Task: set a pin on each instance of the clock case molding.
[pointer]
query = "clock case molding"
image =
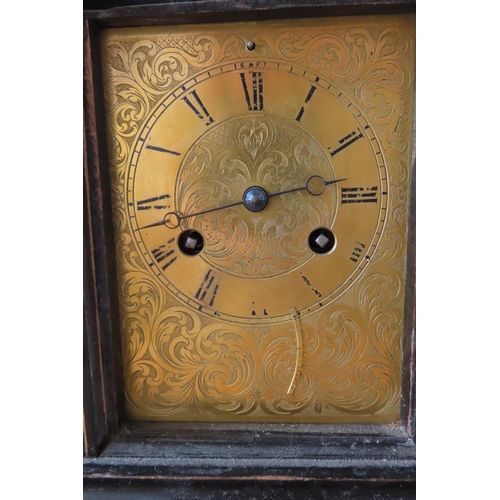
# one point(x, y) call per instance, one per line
point(370, 456)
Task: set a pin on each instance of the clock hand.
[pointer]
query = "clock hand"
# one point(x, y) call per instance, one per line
point(173, 220)
point(254, 199)
point(315, 185)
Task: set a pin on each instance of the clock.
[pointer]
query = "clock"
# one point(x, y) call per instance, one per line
point(260, 178)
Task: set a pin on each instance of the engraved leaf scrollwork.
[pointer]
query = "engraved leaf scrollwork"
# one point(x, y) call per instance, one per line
point(371, 68)
point(189, 366)
point(141, 72)
point(266, 152)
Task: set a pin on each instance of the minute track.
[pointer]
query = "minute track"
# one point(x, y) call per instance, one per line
point(198, 210)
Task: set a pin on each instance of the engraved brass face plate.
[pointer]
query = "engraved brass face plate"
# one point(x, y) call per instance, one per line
point(260, 175)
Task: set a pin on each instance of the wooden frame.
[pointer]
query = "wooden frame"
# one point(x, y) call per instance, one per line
point(198, 457)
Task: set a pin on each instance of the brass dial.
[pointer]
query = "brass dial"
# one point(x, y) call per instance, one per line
point(232, 128)
point(259, 210)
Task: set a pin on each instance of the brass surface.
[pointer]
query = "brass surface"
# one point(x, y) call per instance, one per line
point(257, 326)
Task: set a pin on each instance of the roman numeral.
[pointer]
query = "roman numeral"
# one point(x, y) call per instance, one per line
point(346, 142)
point(356, 253)
point(198, 108)
point(149, 203)
point(161, 254)
point(161, 150)
point(255, 98)
point(207, 287)
point(308, 98)
point(359, 195)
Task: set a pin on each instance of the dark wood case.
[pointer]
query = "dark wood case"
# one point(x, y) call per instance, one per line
point(207, 460)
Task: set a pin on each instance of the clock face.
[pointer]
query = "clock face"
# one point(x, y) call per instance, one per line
point(260, 199)
point(308, 151)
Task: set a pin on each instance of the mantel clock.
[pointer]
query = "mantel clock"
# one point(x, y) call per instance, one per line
point(260, 176)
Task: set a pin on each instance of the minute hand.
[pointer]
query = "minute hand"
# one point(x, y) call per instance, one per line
point(315, 185)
